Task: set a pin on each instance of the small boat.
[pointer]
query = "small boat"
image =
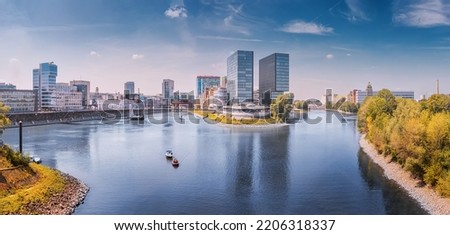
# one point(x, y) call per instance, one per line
point(35, 159)
point(137, 117)
point(175, 162)
point(169, 154)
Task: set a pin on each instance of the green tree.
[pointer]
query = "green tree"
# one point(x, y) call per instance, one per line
point(298, 104)
point(349, 107)
point(391, 103)
point(4, 120)
point(339, 103)
point(437, 103)
point(281, 107)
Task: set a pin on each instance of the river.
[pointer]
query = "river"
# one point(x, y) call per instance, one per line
point(301, 168)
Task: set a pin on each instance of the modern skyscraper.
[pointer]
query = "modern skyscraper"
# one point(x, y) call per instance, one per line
point(240, 76)
point(205, 82)
point(44, 85)
point(85, 88)
point(128, 88)
point(168, 88)
point(273, 76)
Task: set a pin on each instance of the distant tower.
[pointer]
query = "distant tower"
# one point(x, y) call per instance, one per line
point(369, 89)
point(437, 87)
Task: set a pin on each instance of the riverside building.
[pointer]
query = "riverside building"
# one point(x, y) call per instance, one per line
point(44, 85)
point(273, 77)
point(240, 76)
point(18, 100)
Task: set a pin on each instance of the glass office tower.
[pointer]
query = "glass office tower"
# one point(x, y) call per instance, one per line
point(273, 76)
point(240, 76)
point(44, 85)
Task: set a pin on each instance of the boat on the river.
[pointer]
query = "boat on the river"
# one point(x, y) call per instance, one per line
point(175, 162)
point(137, 117)
point(35, 159)
point(169, 154)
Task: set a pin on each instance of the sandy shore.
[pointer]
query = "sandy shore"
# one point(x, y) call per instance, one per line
point(65, 202)
point(427, 197)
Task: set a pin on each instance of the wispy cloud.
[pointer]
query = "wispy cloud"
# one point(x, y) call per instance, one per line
point(356, 11)
point(176, 11)
point(235, 21)
point(345, 49)
point(329, 56)
point(94, 54)
point(14, 60)
point(228, 38)
point(302, 27)
point(137, 57)
point(423, 13)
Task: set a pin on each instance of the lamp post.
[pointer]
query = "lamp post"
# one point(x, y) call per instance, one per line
point(20, 137)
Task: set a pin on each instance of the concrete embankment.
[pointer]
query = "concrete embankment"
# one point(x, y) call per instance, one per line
point(426, 196)
point(34, 119)
point(46, 118)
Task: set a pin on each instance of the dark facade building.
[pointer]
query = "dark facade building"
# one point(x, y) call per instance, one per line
point(273, 77)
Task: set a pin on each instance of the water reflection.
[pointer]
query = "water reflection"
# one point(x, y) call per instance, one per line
point(394, 202)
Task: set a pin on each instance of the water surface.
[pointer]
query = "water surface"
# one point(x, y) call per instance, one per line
point(298, 169)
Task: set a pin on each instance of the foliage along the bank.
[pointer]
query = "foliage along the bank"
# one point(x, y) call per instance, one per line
point(415, 134)
point(281, 107)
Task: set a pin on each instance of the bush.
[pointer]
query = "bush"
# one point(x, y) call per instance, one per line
point(14, 157)
point(443, 185)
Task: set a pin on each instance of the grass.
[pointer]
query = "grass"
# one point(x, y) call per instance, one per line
point(48, 182)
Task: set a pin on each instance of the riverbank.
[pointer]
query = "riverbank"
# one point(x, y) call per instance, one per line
point(39, 190)
point(64, 202)
point(428, 198)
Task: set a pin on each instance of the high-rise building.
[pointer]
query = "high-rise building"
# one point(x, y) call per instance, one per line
point(168, 88)
point(85, 88)
point(273, 77)
point(205, 82)
point(240, 76)
point(128, 89)
point(44, 85)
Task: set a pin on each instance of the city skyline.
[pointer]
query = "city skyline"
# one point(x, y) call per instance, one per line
point(399, 45)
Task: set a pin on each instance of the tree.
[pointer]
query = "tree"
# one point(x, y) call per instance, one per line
point(281, 107)
point(339, 103)
point(391, 103)
point(349, 107)
point(4, 120)
point(298, 104)
point(437, 103)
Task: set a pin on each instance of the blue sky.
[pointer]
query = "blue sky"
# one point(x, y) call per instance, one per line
point(339, 44)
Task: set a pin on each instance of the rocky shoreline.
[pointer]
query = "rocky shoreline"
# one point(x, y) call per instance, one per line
point(65, 202)
point(426, 196)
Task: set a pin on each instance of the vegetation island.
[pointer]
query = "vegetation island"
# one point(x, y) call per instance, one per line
point(30, 188)
point(251, 115)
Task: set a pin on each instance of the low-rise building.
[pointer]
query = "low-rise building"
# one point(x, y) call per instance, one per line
point(18, 100)
point(68, 98)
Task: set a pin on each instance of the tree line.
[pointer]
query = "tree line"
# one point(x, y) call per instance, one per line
point(416, 134)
